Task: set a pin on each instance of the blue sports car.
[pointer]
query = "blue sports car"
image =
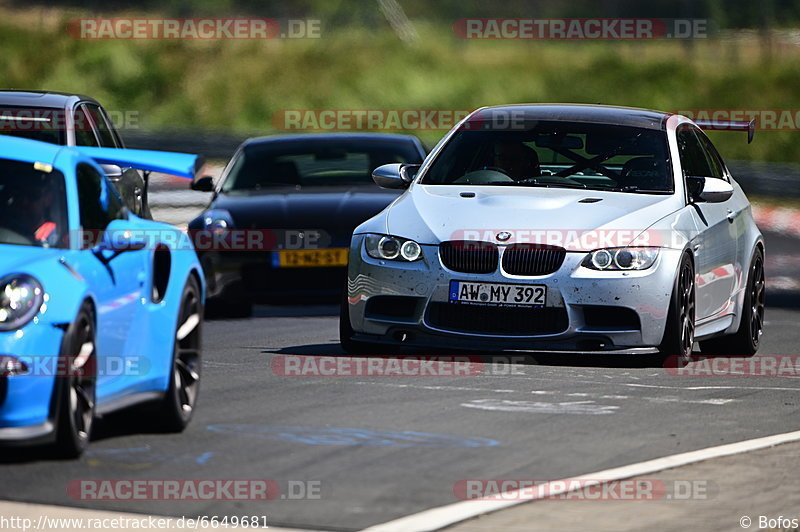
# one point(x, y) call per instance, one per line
point(99, 309)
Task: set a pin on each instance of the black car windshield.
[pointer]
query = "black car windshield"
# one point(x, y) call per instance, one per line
point(556, 154)
point(37, 123)
point(33, 206)
point(314, 163)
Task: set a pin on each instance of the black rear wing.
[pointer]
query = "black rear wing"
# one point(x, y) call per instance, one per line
point(729, 125)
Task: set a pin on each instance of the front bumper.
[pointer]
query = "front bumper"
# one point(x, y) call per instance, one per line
point(26, 400)
point(580, 305)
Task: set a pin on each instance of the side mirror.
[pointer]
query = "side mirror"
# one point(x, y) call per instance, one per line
point(709, 189)
point(119, 238)
point(203, 184)
point(112, 171)
point(393, 175)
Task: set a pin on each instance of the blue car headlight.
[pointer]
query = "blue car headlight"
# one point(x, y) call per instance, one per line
point(615, 259)
point(21, 298)
point(389, 247)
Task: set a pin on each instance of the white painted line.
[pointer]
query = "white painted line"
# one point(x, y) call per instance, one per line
point(444, 516)
point(537, 407)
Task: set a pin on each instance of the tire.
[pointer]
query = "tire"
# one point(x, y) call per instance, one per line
point(745, 341)
point(76, 386)
point(679, 332)
point(181, 398)
point(350, 346)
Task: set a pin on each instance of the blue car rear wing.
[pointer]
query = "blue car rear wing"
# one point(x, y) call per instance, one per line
point(729, 125)
point(180, 164)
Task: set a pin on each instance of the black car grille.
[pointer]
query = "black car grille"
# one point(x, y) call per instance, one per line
point(532, 259)
point(507, 321)
point(469, 256)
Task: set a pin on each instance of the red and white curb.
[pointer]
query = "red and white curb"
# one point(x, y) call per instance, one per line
point(782, 220)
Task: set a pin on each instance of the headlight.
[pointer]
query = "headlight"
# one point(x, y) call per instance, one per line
point(621, 259)
point(218, 221)
point(392, 248)
point(21, 298)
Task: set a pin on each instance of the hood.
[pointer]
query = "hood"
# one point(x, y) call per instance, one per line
point(23, 259)
point(431, 214)
point(336, 211)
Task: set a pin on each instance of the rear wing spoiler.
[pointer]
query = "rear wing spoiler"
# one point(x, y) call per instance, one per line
point(180, 164)
point(729, 125)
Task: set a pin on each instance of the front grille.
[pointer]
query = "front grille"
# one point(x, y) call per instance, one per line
point(469, 256)
point(509, 321)
point(532, 259)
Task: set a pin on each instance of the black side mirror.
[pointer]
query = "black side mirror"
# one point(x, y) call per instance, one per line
point(203, 184)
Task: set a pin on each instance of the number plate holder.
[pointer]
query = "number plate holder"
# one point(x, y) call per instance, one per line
point(497, 294)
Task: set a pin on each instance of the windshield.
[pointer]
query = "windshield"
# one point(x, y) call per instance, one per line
point(36, 123)
point(557, 154)
point(314, 163)
point(33, 207)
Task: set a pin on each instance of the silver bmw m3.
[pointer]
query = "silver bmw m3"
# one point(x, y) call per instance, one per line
point(578, 228)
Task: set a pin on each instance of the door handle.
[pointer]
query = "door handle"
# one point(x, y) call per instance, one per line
point(732, 215)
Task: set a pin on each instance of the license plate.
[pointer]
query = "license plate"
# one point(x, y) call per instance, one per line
point(498, 294)
point(310, 258)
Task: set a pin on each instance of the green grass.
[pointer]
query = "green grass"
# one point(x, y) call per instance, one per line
point(239, 85)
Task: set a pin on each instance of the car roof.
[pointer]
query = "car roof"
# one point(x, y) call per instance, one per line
point(33, 98)
point(600, 114)
point(355, 137)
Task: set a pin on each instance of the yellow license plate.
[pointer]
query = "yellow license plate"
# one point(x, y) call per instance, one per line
point(310, 258)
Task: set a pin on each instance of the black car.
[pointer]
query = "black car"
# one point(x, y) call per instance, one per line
point(72, 120)
point(283, 213)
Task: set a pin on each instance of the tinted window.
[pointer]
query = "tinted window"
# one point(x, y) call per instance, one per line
point(314, 163)
point(692, 154)
point(33, 206)
point(84, 133)
point(99, 201)
point(556, 154)
point(37, 123)
point(106, 137)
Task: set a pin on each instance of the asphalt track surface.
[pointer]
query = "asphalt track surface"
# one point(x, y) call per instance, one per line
point(378, 448)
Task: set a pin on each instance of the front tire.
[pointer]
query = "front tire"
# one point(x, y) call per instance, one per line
point(679, 332)
point(76, 389)
point(181, 397)
point(745, 341)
